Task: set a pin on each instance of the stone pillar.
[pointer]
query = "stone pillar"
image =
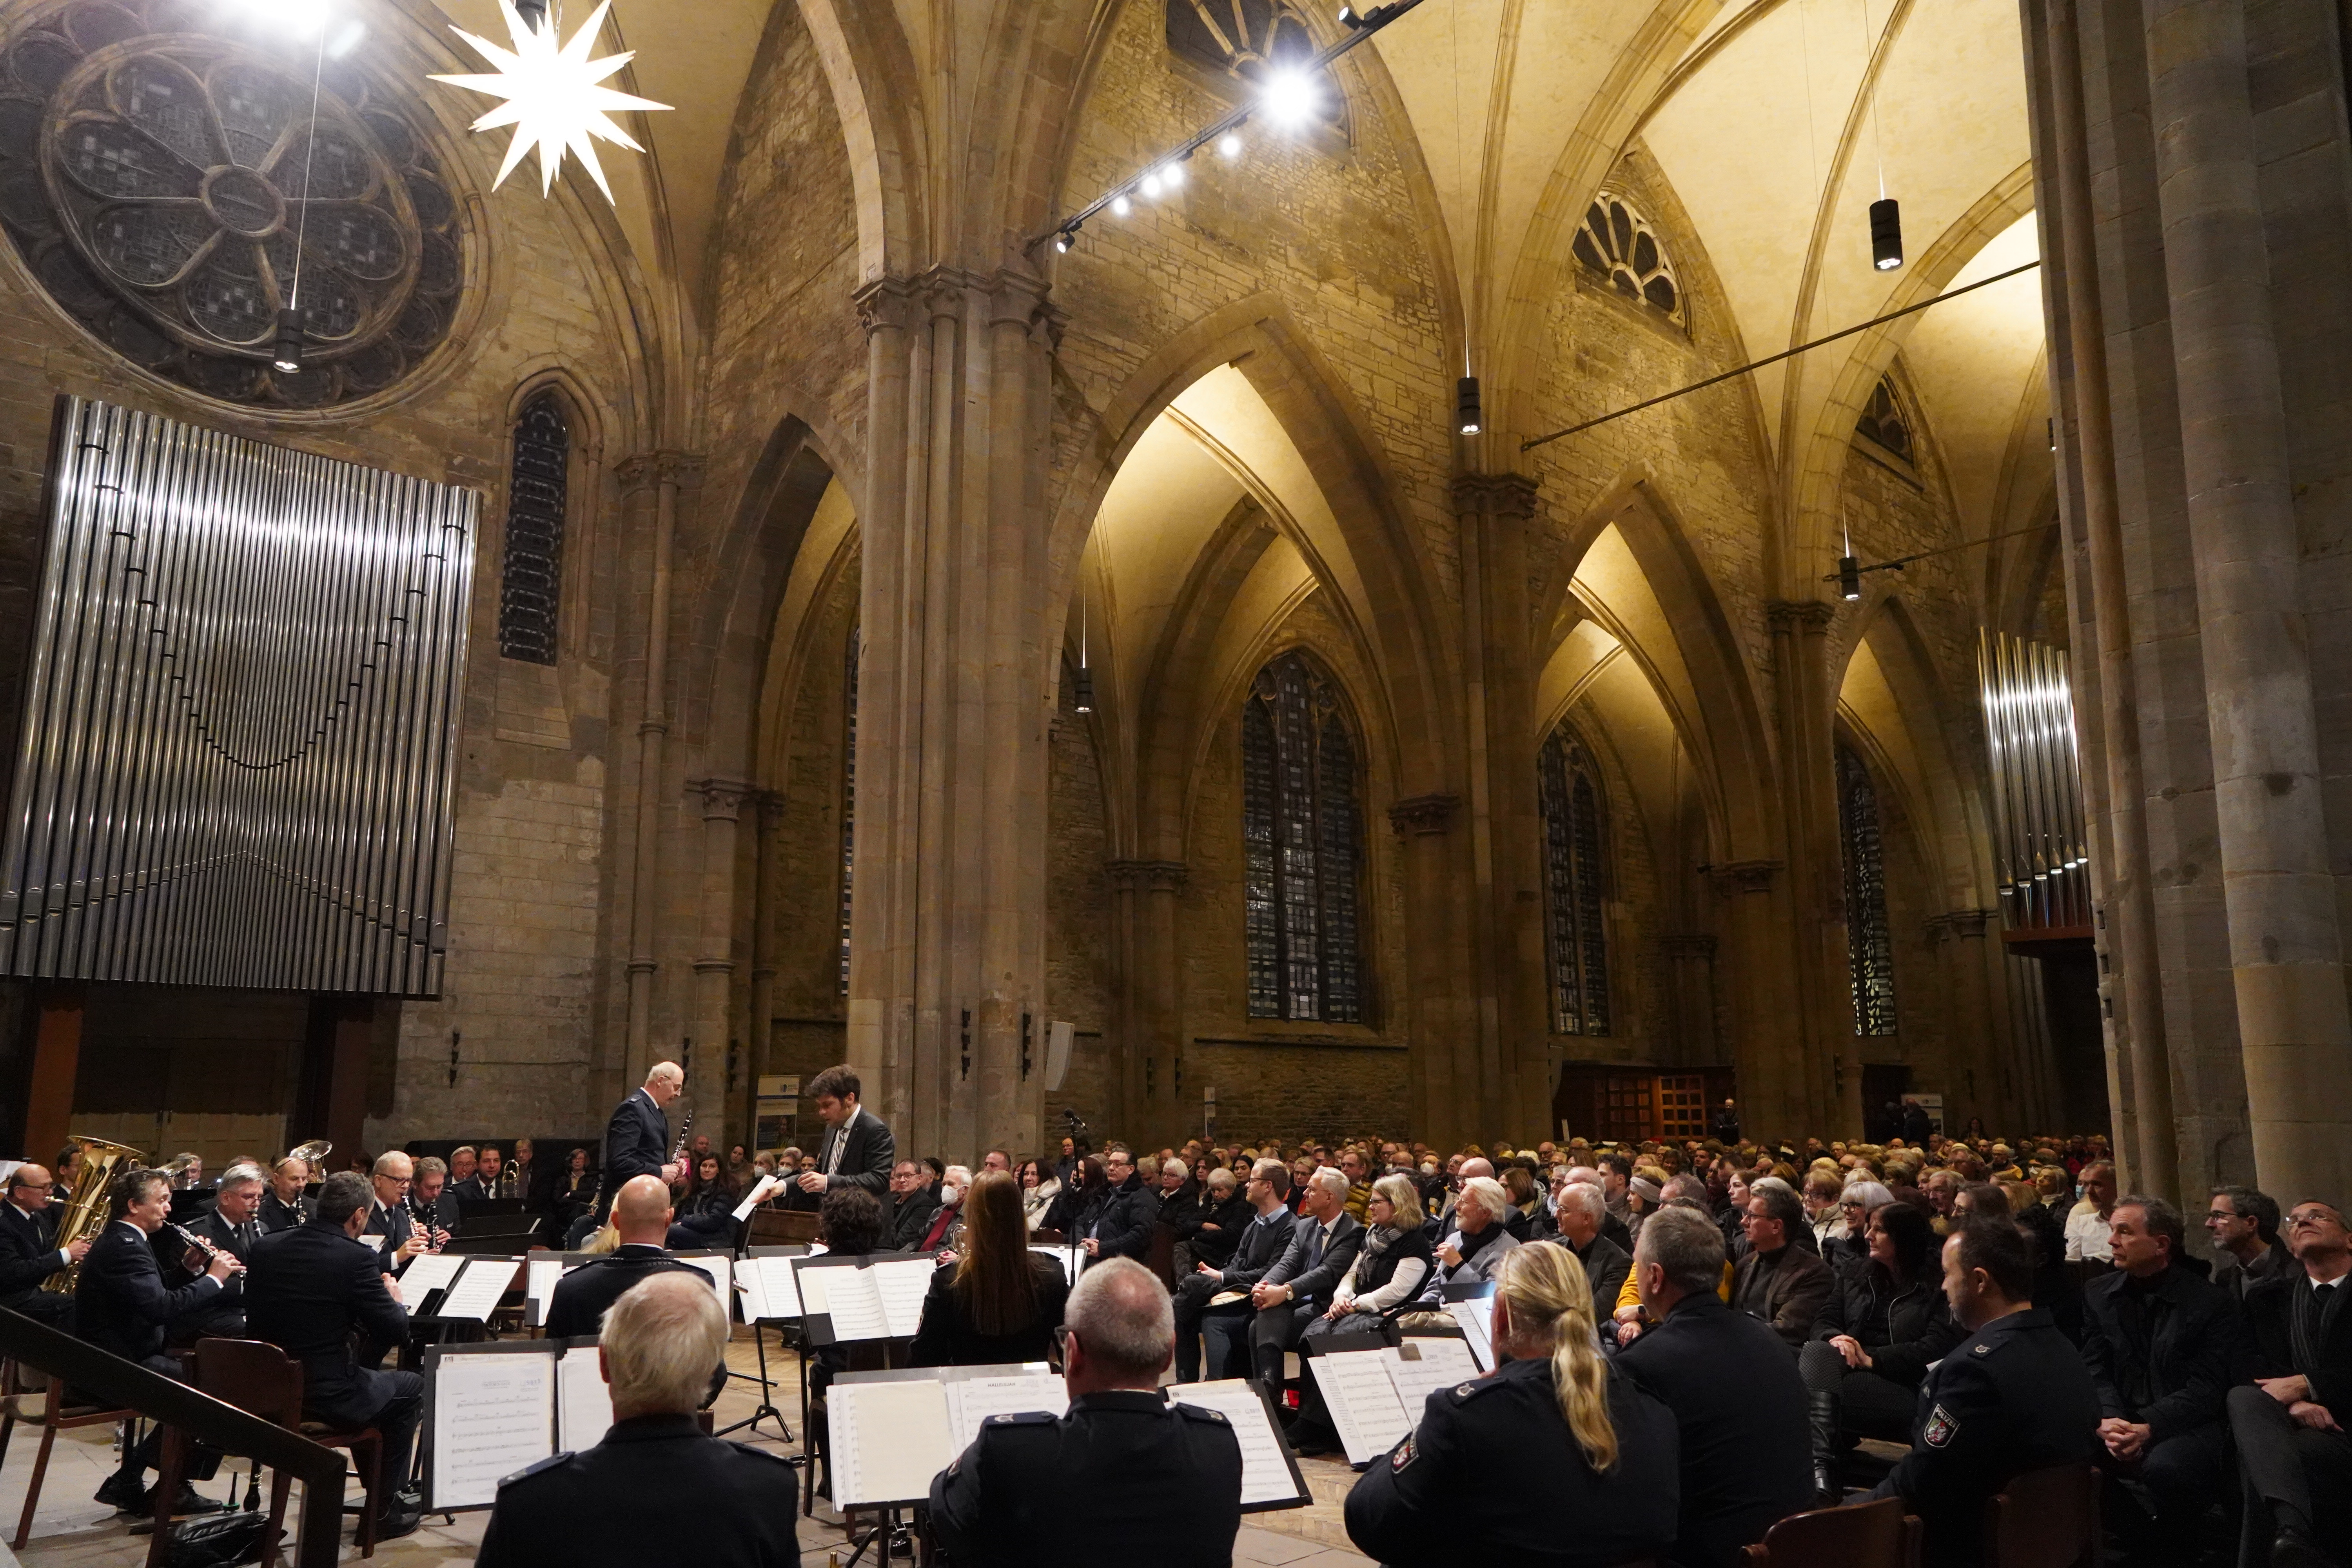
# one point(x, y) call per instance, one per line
point(763, 1001)
point(1972, 1046)
point(1147, 892)
point(1698, 1041)
point(955, 688)
point(664, 473)
point(1825, 1082)
point(707, 1084)
point(2285, 944)
point(1455, 1076)
point(57, 1062)
point(1505, 860)
point(1764, 1048)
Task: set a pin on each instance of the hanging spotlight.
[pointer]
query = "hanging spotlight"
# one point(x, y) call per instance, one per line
point(1150, 184)
point(1849, 577)
point(288, 356)
point(1230, 145)
point(1887, 234)
point(1289, 98)
point(1466, 405)
point(1083, 691)
point(1172, 175)
point(1120, 205)
point(1065, 238)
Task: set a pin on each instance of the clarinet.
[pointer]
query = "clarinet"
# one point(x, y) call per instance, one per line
point(423, 1220)
point(685, 1132)
point(207, 1248)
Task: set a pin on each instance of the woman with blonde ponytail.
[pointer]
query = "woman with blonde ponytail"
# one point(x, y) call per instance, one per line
point(1554, 1459)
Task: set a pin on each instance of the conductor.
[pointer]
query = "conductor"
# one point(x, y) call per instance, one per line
point(1124, 1473)
point(857, 1150)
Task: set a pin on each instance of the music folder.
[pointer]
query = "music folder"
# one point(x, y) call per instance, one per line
point(1473, 1308)
point(764, 1283)
point(871, 1296)
point(888, 1433)
point(494, 1409)
point(1375, 1397)
point(1270, 1478)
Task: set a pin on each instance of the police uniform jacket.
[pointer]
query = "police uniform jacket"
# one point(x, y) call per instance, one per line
point(226, 1316)
point(275, 1214)
point(1734, 1389)
point(1124, 1476)
point(2164, 1353)
point(2301, 1331)
point(2013, 1397)
point(654, 1487)
point(120, 1304)
point(577, 1309)
point(636, 1143)
point(306, 1291)
point(29, 1251)
point(1503, 1441)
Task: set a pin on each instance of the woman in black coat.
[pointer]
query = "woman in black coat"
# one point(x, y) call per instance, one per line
point(1883, 1326)
point(999, 1302)
point(1555, 1461)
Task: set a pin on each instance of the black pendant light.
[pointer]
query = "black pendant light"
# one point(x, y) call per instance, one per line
point(1887, 234)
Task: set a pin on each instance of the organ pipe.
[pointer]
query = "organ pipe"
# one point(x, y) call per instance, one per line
point(2040, 849)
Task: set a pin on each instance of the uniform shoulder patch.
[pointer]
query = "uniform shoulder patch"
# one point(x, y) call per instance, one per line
point(1201, 1413)
point(1022, 1418)
point(549, 1463)
point(1465, 1390)
point(1403, 1453)
point(1941, 1428)
point(1984, 1347)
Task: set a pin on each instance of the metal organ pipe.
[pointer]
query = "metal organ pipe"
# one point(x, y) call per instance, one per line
point(2041, 855)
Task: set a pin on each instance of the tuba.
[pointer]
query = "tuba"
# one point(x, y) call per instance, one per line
point(313, 1154)
point(85, 1213)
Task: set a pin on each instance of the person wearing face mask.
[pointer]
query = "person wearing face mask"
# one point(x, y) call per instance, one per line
point(945, 1232)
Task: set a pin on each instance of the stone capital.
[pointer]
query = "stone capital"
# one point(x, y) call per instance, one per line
point(1745, 875)
point(646, 469)
point(1799, 614)
point(1505, 495)
point(723, 799)
point(886, 304)
point(1423, 814)
point(1146, 876)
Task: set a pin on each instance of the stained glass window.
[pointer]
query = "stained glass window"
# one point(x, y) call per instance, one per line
point(1869, 942)
point(1302, 848)
point(1576, 941)
point(848, 796)
point(531, 584)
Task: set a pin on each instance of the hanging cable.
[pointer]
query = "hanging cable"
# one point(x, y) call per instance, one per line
point(288, 355)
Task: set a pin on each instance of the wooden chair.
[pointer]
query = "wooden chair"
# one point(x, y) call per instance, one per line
point(55, 1416)
point(259, 1378)
point(2045, 1518)
point(1859, 1535)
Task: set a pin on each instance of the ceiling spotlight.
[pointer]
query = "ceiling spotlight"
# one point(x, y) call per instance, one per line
point(532, 11)
point(1230, 145)
point(1172, 175)
point(1120, 204)
point(1466, 418)
point(1082, 689)
point(1289, 98)
point(1151, 183)
point(1887, 234)
point(1849, 577)
point(289, 354)
point(1062, 238)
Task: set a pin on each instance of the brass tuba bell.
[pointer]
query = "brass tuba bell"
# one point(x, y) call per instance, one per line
point(311, 1154)
point(85, 1213)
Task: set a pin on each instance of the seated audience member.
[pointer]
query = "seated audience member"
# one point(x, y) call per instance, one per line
point(2163, 1347)
point(30, 1252)
point(1556, 1459)
point(947, 1227)
point(1208, 1223)
point(2013, 1397)
point(642, 1216)
point(1733, 1387)
point(2244, 1224)
point(121, 1307)
point(1356, 1168)
point(1117, 1219)
point(1124, 1475)
point(284, 1206)
point(2087, 1225)
point(1778, 1280)
point(1039, 1188)
point(1884, 1325)
point(1214, 1303)
point(1528, 1220)
point(998, 1302)
point(2290, 1423)
point(1823, 1213)
point(913, 1203)
point(1387, 1272)
point(706, 1218)
point(318, 1290)
point(1470, 1253)
point(653, 1479)
point(1175, 1189)
point(1324, 1245)
point(1860, 1200)
point(1581, 1214)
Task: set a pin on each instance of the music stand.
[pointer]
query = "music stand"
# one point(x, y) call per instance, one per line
point(760, 1345)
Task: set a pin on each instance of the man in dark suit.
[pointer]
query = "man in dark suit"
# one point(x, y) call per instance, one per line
point(857, 1150)
point(397, 1239)
point(1222, 1327)
point(912, 1204)
point(30, 1252)
point(642, 1214)
point(1732, 1385)
point(1123, 1229)
point(1581, 1214)
point(655, 1479)
point(1296, 1290)
point(636, 1141)
point(2291, 1422)
point(2163, 1347)
point(311, 1290)
point(121, 1307)
point(284, 1205)
point(489, 1179)
point(1777, 1280)
point(431, 1205)
point(230, 1226)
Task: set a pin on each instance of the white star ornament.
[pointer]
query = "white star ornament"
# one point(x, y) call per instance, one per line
point(555, 96)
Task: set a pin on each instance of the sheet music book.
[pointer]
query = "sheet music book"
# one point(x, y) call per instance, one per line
point(891, 1432)
point(427, 1272)
point(718, 1265)
point(1477, 1318)
point(1270, 1476)
point(768, 1289)
point(583, 1404)
point(1421, 1366)
point(492, 1414)
point(540, 1279)
point(1375, 1397)
point(881, 1299)
point(1001, 1391)
point(479, 1289)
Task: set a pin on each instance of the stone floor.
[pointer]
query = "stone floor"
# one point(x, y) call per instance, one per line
point(69, 1530)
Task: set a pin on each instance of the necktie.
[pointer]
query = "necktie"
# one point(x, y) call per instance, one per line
point(833, 1147)
point(1315, 1253)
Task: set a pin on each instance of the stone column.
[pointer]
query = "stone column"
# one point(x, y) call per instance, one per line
point(1455, 1076)
point(2285, 945)
point(1147, 892)
point(763, 1000)
point(664, 473)
point(954, 699)
point(708, 1086)
point(1824, 1084)
point(1698, 1041)
point(1996, 1090)
point(1765, 1051)
point(1505, 861)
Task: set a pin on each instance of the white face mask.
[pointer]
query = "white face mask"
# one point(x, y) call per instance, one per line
point(950, 1194)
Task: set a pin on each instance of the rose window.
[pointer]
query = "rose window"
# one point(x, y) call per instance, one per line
point(160, 183)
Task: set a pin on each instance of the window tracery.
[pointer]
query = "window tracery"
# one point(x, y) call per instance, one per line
point(1884, 421)
point(1617, 243)
point(531, 579)
point(1302, 848)
point(1576, 945)
point(1869, 940)
point(1247, 40)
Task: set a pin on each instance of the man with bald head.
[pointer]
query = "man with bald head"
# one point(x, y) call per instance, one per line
point(397, 1240)
point(641, 1216)
point(636, 1141)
